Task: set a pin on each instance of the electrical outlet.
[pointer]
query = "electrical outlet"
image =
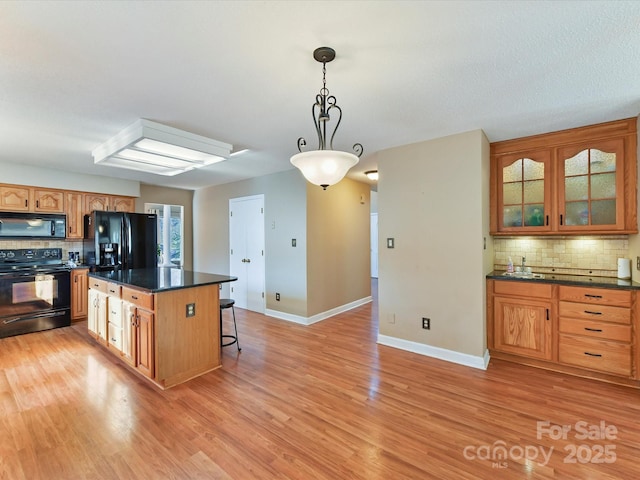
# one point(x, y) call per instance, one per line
point(426, 323)
point(277, 297)
point(638, 263)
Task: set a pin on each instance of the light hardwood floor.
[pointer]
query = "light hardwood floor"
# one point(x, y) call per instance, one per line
point(317, 402)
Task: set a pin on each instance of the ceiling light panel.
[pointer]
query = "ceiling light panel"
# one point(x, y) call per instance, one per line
point(155, 148)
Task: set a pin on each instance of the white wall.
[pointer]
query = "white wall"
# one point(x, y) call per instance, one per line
point(433, 200)
point(43, 177)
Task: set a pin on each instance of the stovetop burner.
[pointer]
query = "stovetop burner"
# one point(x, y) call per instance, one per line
point(32, 259)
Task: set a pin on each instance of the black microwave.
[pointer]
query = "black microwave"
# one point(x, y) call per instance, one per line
point(32, 225)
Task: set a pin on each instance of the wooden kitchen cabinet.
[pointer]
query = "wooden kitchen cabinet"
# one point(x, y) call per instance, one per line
point(48, 201)
point(79, 293)
point(579, 181)
point(522, 325)
point(596, 329)
point(14, 198)
point(525, 192)
point(139, 307)
point(112, 203)
point(579, 330)
point(75, 215)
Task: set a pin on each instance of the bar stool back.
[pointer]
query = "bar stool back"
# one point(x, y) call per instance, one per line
point(224, 304)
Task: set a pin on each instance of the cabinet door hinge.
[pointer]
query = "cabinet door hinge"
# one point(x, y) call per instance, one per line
point(261, 210)
point(232, 251)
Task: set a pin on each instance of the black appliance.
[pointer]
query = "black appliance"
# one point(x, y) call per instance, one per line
point(117, 240)
point(32, 225)
point(35, 291)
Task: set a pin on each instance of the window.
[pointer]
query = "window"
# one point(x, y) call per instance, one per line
point(170, 232)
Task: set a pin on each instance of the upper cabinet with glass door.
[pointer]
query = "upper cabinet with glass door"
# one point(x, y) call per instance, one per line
point(525, 192)
point(576, 181)
point(588, 190)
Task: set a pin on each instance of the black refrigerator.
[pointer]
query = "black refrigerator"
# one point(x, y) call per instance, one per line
point(117, 240)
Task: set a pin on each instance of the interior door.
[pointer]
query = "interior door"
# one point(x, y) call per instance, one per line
point(246, 240)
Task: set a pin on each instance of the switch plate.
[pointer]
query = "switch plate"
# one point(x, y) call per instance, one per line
point(191, 310)
point(390, 243)
point(293, 242)
point(277, 297)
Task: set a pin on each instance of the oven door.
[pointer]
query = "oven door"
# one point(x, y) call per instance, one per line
point(32, 302)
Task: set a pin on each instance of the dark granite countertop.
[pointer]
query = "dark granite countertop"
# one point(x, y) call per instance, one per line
point(578, 280)
point(162, 278)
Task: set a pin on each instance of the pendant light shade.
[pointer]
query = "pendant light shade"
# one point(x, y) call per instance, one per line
point(325, 166)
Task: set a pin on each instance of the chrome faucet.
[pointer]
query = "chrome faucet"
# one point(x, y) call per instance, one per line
point(524, 259)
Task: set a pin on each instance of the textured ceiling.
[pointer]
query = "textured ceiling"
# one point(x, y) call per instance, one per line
point(73, 74)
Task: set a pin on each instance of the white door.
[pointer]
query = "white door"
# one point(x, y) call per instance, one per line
point(246, 242)
point(374, 245)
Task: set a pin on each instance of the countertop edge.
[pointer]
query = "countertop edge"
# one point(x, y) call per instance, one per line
point(222, 279)
point(575, 280)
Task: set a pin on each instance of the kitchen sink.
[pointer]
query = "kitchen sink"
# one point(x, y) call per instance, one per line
point(536, 276)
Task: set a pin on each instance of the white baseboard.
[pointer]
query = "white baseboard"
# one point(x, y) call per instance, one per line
point(436, 352)
point(318, 317)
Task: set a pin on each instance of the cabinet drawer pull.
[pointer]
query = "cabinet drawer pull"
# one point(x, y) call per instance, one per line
point(593, 329)
point(592, 296)
point(593, 354)
point(592, 313)
point(134, 297)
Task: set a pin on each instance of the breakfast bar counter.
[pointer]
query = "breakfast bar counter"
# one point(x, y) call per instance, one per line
point(164, 323)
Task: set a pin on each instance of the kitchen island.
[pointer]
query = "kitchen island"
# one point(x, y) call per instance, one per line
point(164, 323)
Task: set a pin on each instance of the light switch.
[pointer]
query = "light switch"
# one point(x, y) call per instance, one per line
point(390, 242)
point(293, 242)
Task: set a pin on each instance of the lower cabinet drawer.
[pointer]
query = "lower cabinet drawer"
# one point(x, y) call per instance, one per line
point(602, 355)
point(115, 336)
point(602, 330)
point(601, 313)
point(138, 297)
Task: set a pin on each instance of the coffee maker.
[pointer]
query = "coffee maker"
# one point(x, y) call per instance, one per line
point(108, 254)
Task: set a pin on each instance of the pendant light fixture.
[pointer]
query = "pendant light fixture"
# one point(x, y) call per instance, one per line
point(325, 166)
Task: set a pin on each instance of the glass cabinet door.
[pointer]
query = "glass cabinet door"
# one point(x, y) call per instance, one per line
point(590, 185)
point(524, 192)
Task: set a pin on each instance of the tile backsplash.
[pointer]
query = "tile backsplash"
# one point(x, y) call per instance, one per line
point(593, 255)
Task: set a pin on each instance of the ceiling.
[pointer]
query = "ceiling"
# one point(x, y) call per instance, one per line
point(75, 73)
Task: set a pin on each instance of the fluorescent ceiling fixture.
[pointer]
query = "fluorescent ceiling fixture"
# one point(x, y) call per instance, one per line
point(239, 152)
point(151, 147)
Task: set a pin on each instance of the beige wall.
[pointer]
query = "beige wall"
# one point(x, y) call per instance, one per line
point(338, 245)
point(433, 200)
point(172, 196)
point(328, 267)
point(285, 218)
